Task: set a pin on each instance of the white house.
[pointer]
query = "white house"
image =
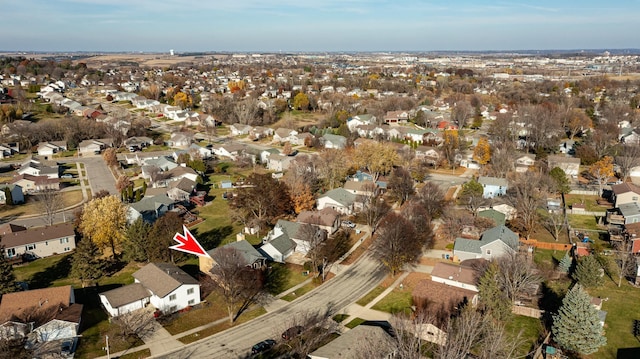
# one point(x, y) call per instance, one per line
point(40, 242)
point(339, 199)
point(455, 275)
point(493, 243)
point(171, 288)
point(125, 299)
point(277, 245)
point(570, 165)
point(493, 186)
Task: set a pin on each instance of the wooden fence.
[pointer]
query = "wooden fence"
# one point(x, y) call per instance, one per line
point(527, 312)
point(546, 245)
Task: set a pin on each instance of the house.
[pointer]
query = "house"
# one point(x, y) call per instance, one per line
point(238, 129)
point(251, 257)
point(360, 120)
point(180, 172)
point(327, 219)
point(15, 191)
point(497, 217)
point(567, 147)
point(428, 154)
point(163, 285)
point(40, 242)
point(624, 193)
point(349, 345)
point(339, 199)
point(493, 186)
point(433, 297)
point(282, 135)
point(360, 188)
point(524, 162)
point(48, 149)
point(232, 150)
point(93, 147)
point(33, 184)
point(493, 243)
point(334, 141)
point(570, 165)
point(43, 315)
point(180, 140)
point(278, 244)
point(36, 168)
point(149, 208)
point(396, 117)
point(508, 211)
point(460, 276)
point(279, 163)
point(181, 190)
point(171, 288)
point(125, 299)
point(138, 142)
point(626, 213)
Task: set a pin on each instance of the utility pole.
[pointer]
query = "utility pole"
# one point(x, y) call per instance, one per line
point(107, 347)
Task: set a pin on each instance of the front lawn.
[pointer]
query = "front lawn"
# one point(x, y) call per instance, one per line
point(32, 206)
point(247, 316)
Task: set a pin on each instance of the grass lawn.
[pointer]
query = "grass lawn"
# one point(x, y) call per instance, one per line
point(373, 294)
point(144, 353)
point(207, 312)
point(529, 329)
point(547, 259)
point(354, 323)
point(582, 221)
point(395, 302)
point(339, 318)
point(300, 291)
point(32, 206)
point(590, 202)
point(622, 309)
point(252, 314)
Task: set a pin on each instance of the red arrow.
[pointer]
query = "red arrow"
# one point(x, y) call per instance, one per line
point(188, 244)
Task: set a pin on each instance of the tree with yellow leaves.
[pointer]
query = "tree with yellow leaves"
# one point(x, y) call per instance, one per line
point(377, 158)
point(482, 152)
point(303, 199)
point(104, 221)
point(450, 146)
point(301, 101)
point(602, 171)
point(182, 100)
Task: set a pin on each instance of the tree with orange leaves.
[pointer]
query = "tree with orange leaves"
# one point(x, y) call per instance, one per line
point(602, 171)
point(482, 152)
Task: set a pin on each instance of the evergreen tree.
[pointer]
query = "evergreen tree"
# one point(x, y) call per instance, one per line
point(588, 272)
point(7, 278)
point(493, 299)
point(8, 196)
point(85, 263)
point(135, 246)
point(565, 263)
point(576, 326)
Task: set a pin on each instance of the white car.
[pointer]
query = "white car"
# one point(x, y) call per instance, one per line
point(349, 224)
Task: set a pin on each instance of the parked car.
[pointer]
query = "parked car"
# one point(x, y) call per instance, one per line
point(292, 332)
point(67, 176)
point(263, 346)
point(349, 224)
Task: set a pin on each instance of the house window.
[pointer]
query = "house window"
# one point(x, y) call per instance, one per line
point(190, 291)
point(172, 297)
point(635, 199)
point(172, 308)
point(488, 252)
point(30, 247)
point(11, 252)
point(191, 301)
point(66, 249)
point(64, 240)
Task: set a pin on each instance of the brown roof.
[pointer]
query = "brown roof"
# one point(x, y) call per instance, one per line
point(624, 188)
point(10, 228)
point(38, 180)
point(15, 304)
point(35, 235)
point(437, 297)
point(455, 272)
point(126, 294)
point(325, 217)
point(72, 313)
point(359, 185)
point(162, 278)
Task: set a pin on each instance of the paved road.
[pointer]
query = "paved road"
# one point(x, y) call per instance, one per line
point(99, 175)
point(344, 289)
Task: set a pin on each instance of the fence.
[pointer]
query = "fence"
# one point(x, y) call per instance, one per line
point(546, 245)
point(527, 312)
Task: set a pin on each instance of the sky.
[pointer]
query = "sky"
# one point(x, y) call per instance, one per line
point(317, 25)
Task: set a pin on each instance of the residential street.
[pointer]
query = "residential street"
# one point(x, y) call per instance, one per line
point(344, 289)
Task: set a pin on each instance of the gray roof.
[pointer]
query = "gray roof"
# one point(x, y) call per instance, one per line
point(336, 139)
point(467, 245)
point(162, 278)
point(629, 209)
point(341, 196)
point(290, 228)
point(502, 233)
point(283, 244)
point(249, 254)
point(147, 203)
point(349, 344)
point(493, 181)
point(496, 216)
point(126, 294)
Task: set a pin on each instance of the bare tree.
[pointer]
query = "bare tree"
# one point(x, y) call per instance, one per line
point(313, 237)
point(625, 260)
point(553, 221)
point(239, 285)
point(527, 194)
point(135, 324)
point(401, 185)
point(49, 201)
point(627, 158)
point(463, 333)
point(461, 113)
point(432, 199)
point(374, 208)
point(246, 112)
point(396, 244)
point(517, 275)
point(314, 328)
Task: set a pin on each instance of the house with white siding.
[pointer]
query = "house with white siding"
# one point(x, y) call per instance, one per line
point(40, 242)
